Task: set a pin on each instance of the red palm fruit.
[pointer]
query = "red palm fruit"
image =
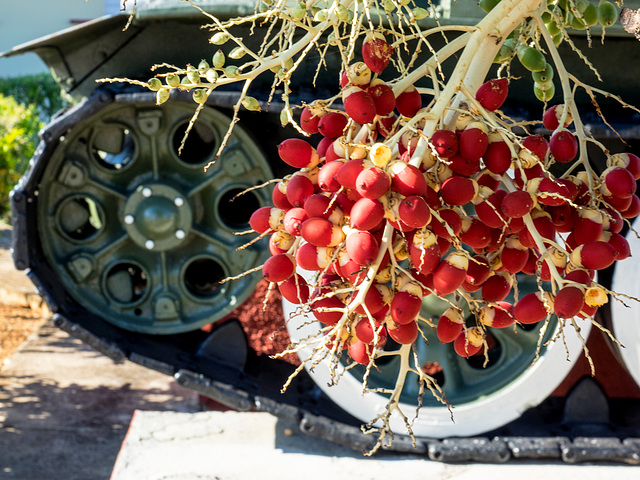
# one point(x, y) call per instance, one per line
point(294, 289)
point(497, 317)
point(373, 300)
point(382, 96)
point(403, 334)
point(309, 121)
point(488, 179)
point(278, 268)
point(620, 204)
point(633, 210)
point(365, 332)
point(450, 274)
point(359, 105)
point(450, 325)
point(332, 124)
point(617, 241)
point(531, 308)
point(298, 153)
point(366, 214)
point(548, 191)
point(615, 220)
point(280, 199)
point(386, 124)
point(514, 255)
point(571, 187)
point(545, 228)
point(327, 180)
point(626, 160)
point(445, 143)
point(497, 239)
point(521, 177)
point(376, 52)
point(595, 255)
point(568, 302)
point(552, 116)
point(317, 205)
point(360, 352)
point(406, 179)
point(352, 272)
point(475, 233)
point(473, 142)
point(619, 182)
point(458, 190)
point(469, 342)
point(587, 311)
point(425, 255)
point(478, 270)
point(331, 153)
point(579, 276)
point(266, 218)
point(493, 93)
point(328, 310)
point(463, 166)
point(307, 257)
point(344, 201)
point(497, 158)
point(348, 173)
point(414, 212)
point(496, 288)
point(372, 182)
point(409, 102)
point(587, 225)
point(515, 225)
point(404, 308)
point(299, 188)
point(362, 247)
point(537, 145)
point(490, 211)
point(562, 217)
point(563, 146)
point(321, 232)
point(450, 218)
point(294, 219)
point(432, 198)
point(583, 197)
point(280, 242)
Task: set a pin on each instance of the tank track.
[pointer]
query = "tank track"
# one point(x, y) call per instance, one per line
point(574, 430)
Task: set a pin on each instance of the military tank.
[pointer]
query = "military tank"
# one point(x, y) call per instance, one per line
point(127, 240)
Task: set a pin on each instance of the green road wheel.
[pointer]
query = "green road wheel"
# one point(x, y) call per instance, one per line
point(142, 236)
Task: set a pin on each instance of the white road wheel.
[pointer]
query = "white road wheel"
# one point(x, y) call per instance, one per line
point(624, 319)
point(482, 398)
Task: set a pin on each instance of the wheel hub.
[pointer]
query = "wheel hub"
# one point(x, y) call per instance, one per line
point(157, 217)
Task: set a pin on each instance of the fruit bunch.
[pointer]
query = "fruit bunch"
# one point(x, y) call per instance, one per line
point(376, 234)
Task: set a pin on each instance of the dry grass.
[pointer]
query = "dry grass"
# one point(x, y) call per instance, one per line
point(16, 325)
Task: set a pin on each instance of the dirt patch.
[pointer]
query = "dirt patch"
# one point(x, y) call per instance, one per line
point(16, 325)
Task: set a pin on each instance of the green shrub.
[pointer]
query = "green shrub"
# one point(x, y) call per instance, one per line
point(19, 126)
point(39, 90)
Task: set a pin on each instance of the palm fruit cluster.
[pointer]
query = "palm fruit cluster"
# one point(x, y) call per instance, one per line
point(361, 233)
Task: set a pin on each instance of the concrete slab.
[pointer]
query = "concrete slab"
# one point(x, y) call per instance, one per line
point(65, 408)
point(240, 446)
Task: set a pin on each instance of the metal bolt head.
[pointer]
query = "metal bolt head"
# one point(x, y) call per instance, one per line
point(146, 192)
point(179, 201)
point(180, 234)
point(129, 219)
point(149, 244)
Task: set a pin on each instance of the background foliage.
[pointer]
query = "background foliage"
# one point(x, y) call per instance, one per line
point(26, 104)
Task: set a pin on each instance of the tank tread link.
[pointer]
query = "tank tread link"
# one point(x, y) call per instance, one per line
point(126, 241)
